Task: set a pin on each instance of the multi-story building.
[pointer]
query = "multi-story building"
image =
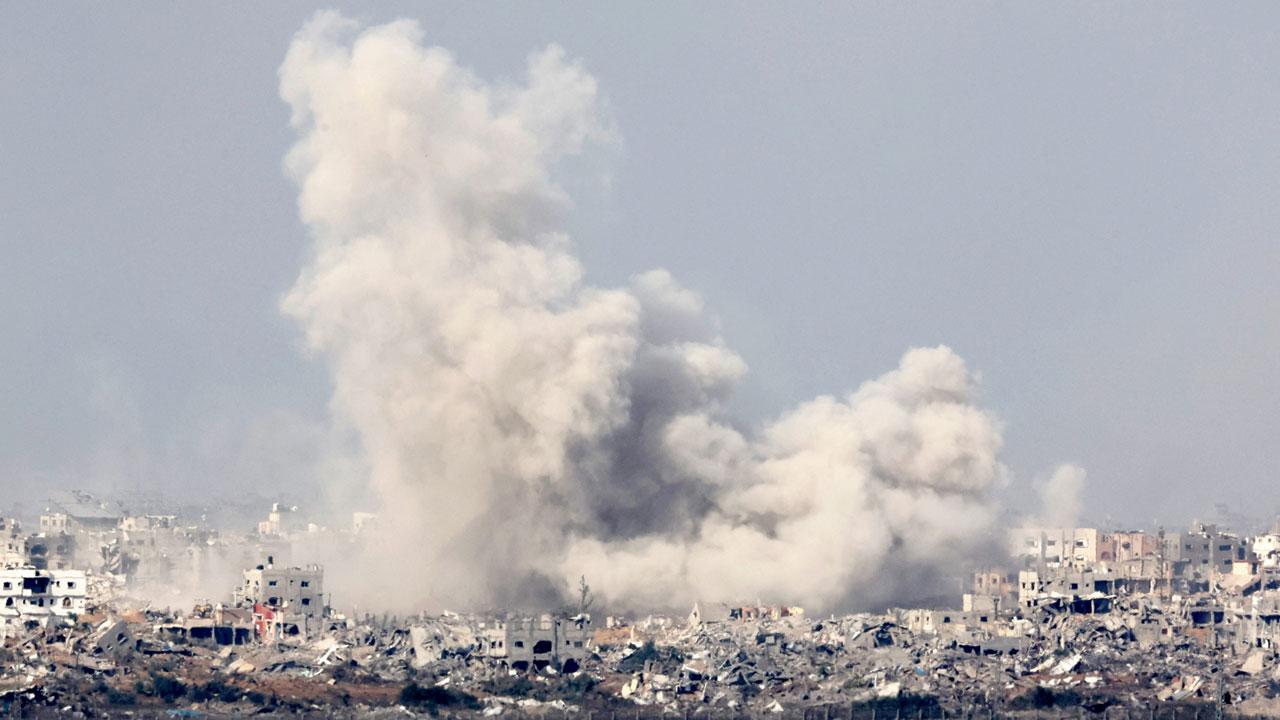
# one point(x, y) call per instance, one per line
point(283, 520)
point(13, 544)
point(1267, 548)
point(1087, 591)
point(1262, 623)
point(1132, 545)
point(30, 594)
point(1204, 550)
point(287, 601)
point(536, 643)
point(74, 510)
point(1059, 545)
point(996, 583)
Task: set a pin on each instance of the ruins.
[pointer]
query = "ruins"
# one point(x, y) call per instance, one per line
point(1077, 619)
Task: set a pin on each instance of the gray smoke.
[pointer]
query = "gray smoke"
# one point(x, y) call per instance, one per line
point(1061, 497)
point(522, 428)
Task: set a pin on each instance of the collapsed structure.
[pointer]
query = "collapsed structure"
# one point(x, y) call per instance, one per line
point(1076, 616)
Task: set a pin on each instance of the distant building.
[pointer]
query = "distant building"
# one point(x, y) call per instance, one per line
point(286, 601)
point(1083, 591)
point(13, 544)
point(1060, 545)
point(1132, 545)
point(561, 643)
point(1262, 623)
point(725, 612)
point(1203, 550)
point(75, 510)
point(283, 520)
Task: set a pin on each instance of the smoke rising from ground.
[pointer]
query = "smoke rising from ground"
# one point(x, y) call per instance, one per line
point(1061, 497)
point(522, 428)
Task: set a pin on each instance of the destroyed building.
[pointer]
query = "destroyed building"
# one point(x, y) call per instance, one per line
point(1204, 550)
point(1113, 619)
point(13, 543)
point(537, 643)
point(1088, 591)
point(286, 601)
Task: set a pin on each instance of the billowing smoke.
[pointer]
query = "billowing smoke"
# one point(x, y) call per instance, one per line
point(1061, 497)
point(522, 428)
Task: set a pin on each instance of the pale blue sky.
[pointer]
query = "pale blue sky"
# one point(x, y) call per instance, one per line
point(1081, 199)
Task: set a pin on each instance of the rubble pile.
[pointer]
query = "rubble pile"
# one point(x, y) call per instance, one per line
point(1192, 619)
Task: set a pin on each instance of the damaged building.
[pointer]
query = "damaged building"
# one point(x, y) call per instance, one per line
point(29, 594)
point(537, 643)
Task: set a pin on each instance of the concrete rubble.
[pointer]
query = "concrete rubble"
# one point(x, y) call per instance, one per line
point(1090, 632)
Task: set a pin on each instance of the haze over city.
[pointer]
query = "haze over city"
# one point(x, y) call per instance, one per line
point(697, 360)
point(1078, 201)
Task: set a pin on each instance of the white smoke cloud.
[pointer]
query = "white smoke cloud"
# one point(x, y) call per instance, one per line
point(1061, 497)
point(522, 427)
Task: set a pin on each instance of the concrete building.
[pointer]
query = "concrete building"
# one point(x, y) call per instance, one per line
point(29, 594)
point(1262, 624)
point(1204, 550)
point(996, 583)
point(1086, 591)
point(1267, 549)
point(943, 622)
point(1059, 545)
point(75, 510)
point(295, 587)
point(1129, 545)
point(286, 601)
point(283, 521)
point(523, 644)
point(13, 544)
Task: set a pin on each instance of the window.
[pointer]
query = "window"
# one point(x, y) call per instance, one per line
point(306, 583)
point(271, 583)
point(982, 618)
point(71, 583)
point(8, 585)
point(306, 601)
point(519, 643)
point(577, 643)
point(1224, 548)
point(1075, 586)
point(946, 619)
point(1051, 543)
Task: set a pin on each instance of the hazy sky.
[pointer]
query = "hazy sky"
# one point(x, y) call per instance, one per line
point(1082, 200)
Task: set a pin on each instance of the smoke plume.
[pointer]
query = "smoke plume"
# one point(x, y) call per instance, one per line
point(1061, 497)
point(521, 427)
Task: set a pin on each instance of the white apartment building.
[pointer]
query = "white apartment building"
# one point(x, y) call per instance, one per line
point(1061, 545)
point(28, 594)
